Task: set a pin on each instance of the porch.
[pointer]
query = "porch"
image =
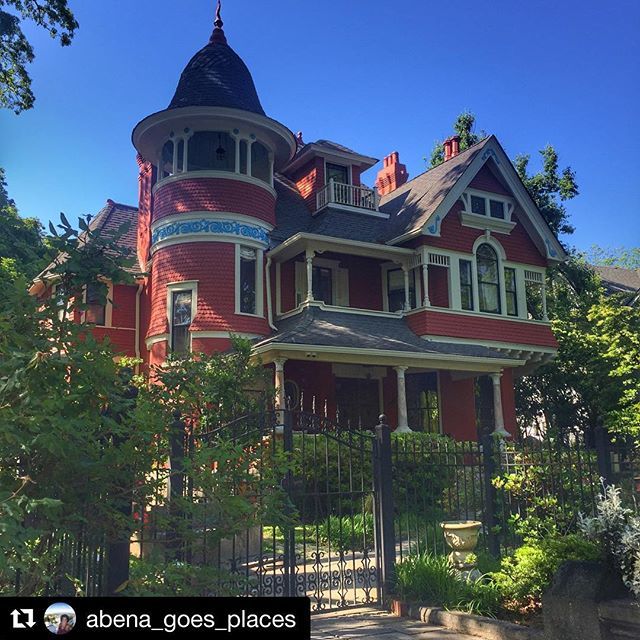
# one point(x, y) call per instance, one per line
point(353, 367)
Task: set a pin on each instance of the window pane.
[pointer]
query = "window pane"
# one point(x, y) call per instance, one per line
point(488, 280)
point(338, 173)
point(510, 290)
point(322, 285)
point(181, 315)
point(212, 150)
point(478, 205)
point(243, 156)
point(260, 165)
point(395, 289)
point(166, 163)
point(533, 291)
point(248, 280)
point(497, 209)
point(422, 402)
point(466, 290)
point(96, 304)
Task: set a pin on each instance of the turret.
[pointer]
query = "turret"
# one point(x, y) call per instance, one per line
point(210, 204)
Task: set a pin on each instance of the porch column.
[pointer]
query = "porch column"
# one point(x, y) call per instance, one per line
point(407, 297)
point(403, 422)
point(499, 429)
point(281, 400)
point(545, 314)
point(425, 285)
point(309, 260)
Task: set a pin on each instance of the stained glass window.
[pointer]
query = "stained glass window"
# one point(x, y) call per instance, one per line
point(181, 316)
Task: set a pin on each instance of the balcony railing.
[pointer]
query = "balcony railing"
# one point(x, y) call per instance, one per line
point(347, 194)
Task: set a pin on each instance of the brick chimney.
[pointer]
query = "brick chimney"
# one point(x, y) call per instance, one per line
point(392, 175)
point(451, 147)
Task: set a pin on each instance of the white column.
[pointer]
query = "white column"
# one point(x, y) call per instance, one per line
point(425, 284)
point(407, 298)
point(309, 260)
point(545, 314)
point(499, 429)
point(403, 421)
point(281, 401)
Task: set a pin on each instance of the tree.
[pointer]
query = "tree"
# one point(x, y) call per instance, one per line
point(16, 52)
point(613, 257)
point(463, 126)
point(549, 187)
point(23, 249)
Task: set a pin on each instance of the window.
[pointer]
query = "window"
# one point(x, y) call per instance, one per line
point(488, 279)
point(422, 402)
point(466, 285)
point(260, 163)
point(96, 302)
point(166, 162)
point(395, 289)
point(478, 205)
point(212, 150)
point(323, 285)
point(181, 317)
point(496, 208)
point(337, 173)
point(511, 291)
point(243, 156)
point(248, 280)
point(180, 159)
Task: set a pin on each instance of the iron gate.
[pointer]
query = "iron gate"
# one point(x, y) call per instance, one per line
point(313, 497)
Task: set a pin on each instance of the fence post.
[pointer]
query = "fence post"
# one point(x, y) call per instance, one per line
point(490, 471)
point(176, 481)
point(118, 548)
point(383, 485)
point(289, 552)
point(603, 452)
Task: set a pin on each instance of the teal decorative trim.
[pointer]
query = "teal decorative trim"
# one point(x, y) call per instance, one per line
point(552, 252)
point(211, 227)
point(490, 153)
point(434, 229)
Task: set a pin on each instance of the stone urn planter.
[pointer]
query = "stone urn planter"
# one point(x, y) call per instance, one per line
point(462, 538)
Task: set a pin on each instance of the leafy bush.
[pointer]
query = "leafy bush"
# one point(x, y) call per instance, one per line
point(528, 571)
point(347, 533)
point(431, 579)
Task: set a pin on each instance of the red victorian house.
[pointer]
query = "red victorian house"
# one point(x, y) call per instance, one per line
point(420, 298)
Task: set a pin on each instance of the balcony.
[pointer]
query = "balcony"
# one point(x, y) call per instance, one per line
point(347, 195)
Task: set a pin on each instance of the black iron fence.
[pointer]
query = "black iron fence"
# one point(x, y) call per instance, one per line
point(328, 509)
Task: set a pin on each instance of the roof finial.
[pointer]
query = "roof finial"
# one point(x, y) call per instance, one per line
point(218, 33)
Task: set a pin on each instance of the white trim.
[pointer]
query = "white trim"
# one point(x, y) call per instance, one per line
point(481, 314)
point(279, 288)
point(108, 306)
point(211, 173)
point(478, 221)
point(362, 210)
point(494, 344)
point(151, 340)
point(173, 287)
point(209, 215)
point(225, 334)
point(259, 284)
point(327, 307)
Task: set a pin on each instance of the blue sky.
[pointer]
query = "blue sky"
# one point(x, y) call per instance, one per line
point(375, 75)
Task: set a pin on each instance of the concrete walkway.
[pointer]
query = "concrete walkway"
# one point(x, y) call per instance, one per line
point(368, 622)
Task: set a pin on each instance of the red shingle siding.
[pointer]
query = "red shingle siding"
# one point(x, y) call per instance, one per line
point(485, 180)
point(124, 306)
point(210, 345)
point(122, 340)
point(213, 265)
point(287, 286)
point(146, 178)
point(453, 235)
point(482, 328)
point(365, 282)
point(214, 194)
point(310, 179)
point(439, 286)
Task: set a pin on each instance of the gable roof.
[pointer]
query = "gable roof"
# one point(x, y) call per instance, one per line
point(618, 279)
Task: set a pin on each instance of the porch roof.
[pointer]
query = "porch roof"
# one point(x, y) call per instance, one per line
point(322, 334)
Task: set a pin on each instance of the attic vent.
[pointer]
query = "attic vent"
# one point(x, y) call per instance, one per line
point(533, 276)
point(438, 259)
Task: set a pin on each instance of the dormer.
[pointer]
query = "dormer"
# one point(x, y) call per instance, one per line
point(327, 174)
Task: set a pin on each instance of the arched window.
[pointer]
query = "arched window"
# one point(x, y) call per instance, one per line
point(488, 279)
point(260, 165)
point(212, 150)
point(166, 161)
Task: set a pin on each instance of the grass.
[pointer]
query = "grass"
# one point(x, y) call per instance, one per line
point(431, 579)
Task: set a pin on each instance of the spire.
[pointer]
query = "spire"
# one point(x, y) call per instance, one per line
point(218, 34)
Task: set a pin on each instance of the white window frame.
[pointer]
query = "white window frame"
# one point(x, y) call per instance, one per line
point(339, 164)
point(259, 281)
point(486, 221)
point(173, 287)
point(108, 307)
point(392, 266)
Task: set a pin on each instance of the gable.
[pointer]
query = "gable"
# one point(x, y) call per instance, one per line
point(487, 180)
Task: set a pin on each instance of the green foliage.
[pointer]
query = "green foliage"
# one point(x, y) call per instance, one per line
point(595, 378)
point(627, 258)
point(529, 570)
point(16, 52)
point(463, 126)
point(430, 579)
point(549, 188)
point(22, 246)
point(347, 533)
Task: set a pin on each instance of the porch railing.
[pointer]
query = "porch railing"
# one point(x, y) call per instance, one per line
point(347, 194)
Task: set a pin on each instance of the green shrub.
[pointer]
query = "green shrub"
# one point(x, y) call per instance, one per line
point(347, 533)
point(529, 570)
point(431, 579)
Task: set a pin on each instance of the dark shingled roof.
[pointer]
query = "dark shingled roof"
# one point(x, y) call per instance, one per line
point(318, 327)
point(619, 279)
point(217, 77)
